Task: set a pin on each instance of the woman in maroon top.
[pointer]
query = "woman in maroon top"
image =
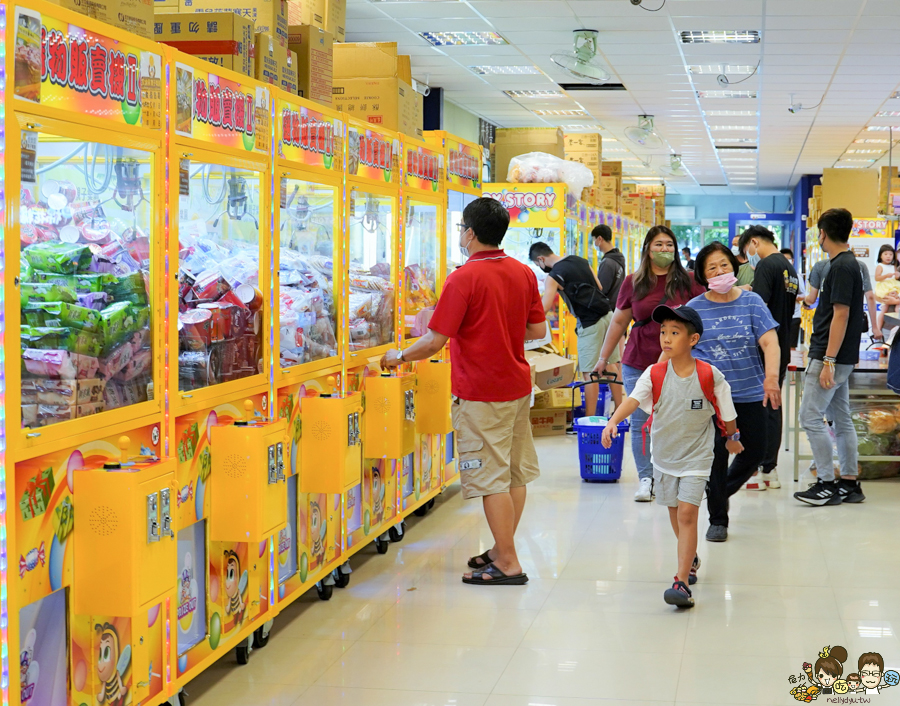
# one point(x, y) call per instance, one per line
point(660, 279)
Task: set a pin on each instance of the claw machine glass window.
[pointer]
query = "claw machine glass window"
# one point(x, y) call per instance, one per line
point(86, 219)
point(518, 241)
point(371, 301)
point(308, 315)
point(420, 275)
point(456, 204)
point(220, 320)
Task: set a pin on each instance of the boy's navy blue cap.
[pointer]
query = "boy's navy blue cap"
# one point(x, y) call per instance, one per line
point(685, 313)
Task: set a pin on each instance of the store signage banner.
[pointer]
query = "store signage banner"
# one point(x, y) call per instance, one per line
point(372, 155)
point(530, 205)
point(307, 136)
point(869, 228)
point(67, 67)
point(463, 164)
point(219, 111)
point(424, 168)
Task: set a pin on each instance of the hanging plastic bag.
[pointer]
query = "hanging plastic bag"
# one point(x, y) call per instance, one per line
point(543, 168)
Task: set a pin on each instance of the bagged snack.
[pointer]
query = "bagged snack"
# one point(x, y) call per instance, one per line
point(29, 416)
point(131, 288)
point(61, 314)
point(94, 300)
point(115, 322)
point(40, 292)
point(29, 392)
point(116, 360)
point(68, 392)
point(59, 364)
point(86, 410)
point(139, 364)
point(62, 258)
point(68, 339)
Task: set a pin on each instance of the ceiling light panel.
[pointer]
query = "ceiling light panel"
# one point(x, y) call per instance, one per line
point(882, 128)
point(729, 113)
point(888, 114)
point(732, 36)
point(561, 113)
point(735, 139)
point(726, 94)
point(732, 127)
point(867, 161)
point(505, 70)
point(870, 141)
point(865, 151)
point(459, 39)
point(720, 69)
point(537, 94)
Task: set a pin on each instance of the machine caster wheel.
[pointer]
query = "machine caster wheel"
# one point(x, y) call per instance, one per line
point(397, 532)
point(324, 591)
point(261, 636)
point(177, 700)
point(341, 578)
point(381, 545)
point(431, 503)
point(421, 511)
point(242, 651)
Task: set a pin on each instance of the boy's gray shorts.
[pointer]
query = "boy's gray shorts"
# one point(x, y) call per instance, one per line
point(670, 490)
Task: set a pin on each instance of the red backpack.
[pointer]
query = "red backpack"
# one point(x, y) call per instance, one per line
point(707, 384)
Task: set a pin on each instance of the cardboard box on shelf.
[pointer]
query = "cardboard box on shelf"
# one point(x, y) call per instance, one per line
point(306, 12)
point(268, 16)
point(336, 18)
point(418, 115)
point(551, 370)
point(548, 422)
point(222, 38)
point(611, 169)
point(611, 184)
point(385, 102)
point(609, 201)
point(165, 6)
point(268, 57)
point(629, 189)
point(314, 62)
point(289, 72)
point(512, 142)
point(853, 189)
point(135, 16)
point(366, 60)
point(582, 141)
point(557, 398)
point(588, 158)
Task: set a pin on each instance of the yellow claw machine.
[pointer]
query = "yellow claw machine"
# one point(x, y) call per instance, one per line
point(82, 391)
point(309, 291)
point(423, 212)
point(219, 360)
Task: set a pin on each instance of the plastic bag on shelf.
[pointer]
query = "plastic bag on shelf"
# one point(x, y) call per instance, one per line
point(878, 433)
point(543, 168)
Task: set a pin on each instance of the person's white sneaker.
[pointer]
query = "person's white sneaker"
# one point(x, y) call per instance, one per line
point(771, 479)
point(756, 482)
point(644, 492)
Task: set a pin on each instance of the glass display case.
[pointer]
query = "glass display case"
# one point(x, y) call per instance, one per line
point(518, 241)
point(86, 214)
point(456, 204)
point(371, 289)
point(306, 297)
point(420, 266)
point(220, 302)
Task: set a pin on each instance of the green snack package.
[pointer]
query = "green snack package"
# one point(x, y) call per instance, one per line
point(141, 317)
point(33, 292)
point(116, 321)
point(26, 271)
point(62, 258)
point(61, 338)
point(128, 288)
point(60, 314)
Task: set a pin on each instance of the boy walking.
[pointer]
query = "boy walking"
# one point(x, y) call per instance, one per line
point(686, 399)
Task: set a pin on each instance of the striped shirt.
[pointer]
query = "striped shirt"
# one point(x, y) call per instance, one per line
point(730, 341)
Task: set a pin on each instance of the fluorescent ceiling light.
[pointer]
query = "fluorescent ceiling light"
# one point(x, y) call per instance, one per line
point(505, 70)
point(888, 114)
point(736, 139)
point(726, 94)
point(562, 113)
point(720, 69)
point(868, 161)
point(882, 128)
point(458, 39)
point(732, 127)
point(729, 113)
point(870, 141)
point(539, 94)
point(865, 151)
point(730, 36)
point(738, 159)
point(841, 165)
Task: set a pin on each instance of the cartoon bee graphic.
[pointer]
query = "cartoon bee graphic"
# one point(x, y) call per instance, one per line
point(235, 585)
point(111, 666)
point(317, 527)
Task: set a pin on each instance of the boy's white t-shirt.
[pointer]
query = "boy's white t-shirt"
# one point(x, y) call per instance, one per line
point(682, 438)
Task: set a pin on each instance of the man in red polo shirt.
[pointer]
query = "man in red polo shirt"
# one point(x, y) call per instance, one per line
point(487, 310)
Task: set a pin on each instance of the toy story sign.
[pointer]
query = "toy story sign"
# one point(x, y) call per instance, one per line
point(529, 205)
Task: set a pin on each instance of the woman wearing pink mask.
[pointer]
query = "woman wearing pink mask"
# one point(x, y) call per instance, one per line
point(736, 325)
point(660, 279)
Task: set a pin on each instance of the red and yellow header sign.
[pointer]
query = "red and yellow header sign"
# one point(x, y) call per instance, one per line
point(65, 66)
point(463, 164)
point(220, 111)
point(424, 168)
point(307, 136)
point(373, 155)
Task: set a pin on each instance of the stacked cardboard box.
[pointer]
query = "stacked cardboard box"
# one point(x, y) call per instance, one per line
point(815, 206)
point(222, 38)
point(315, 62)
point(853, 189)
point(584, 148)
point(268, 16)
point(336, 18)
point(657, 192)
point(551, 376)
point(512, 142)
point(274, 63)
point(306, 12)
point(134, 16)
point(889, 191)
point(372, 83)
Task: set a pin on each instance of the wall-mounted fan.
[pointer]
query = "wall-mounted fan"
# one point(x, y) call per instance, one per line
point(583, 63)
point(644, 134)
point(674, 168)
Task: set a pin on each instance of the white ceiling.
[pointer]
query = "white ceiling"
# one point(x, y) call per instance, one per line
point(840, 56)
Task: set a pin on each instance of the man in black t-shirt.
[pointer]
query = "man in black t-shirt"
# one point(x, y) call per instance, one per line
point(775, 280)
point(573, 279)
point(838, 325)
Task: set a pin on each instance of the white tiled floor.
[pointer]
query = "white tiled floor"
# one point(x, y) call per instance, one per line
point(591, 626)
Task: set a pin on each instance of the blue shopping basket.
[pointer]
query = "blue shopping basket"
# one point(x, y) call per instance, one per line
point(599, 464)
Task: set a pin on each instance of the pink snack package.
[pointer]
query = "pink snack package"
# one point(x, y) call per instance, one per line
point(116, 360)
point(59, 364)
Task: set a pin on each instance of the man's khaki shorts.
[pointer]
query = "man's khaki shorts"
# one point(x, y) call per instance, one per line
point(589, 341)
point(496, 450)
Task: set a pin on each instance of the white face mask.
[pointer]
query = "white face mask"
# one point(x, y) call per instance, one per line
point(464, 249)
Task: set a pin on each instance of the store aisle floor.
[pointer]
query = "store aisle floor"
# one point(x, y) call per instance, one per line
point(591, 626)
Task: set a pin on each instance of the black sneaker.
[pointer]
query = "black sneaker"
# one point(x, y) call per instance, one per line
point(679, 595)
point(850, 491)
point(822, 493)
point(692, 579)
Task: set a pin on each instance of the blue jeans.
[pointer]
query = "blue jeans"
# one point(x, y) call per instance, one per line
point(834, 403)
point(638, 419)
